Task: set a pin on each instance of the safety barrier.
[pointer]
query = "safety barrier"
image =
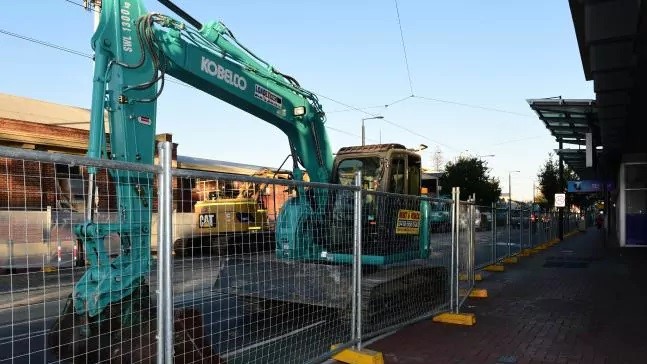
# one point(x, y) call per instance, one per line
point(236, 271)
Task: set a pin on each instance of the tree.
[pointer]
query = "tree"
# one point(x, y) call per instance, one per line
point(549, 182)
point(471, 175)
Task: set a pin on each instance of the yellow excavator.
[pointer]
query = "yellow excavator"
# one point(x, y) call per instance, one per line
point(233, 215)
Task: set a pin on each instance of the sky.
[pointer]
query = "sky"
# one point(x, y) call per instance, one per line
point(473, 56)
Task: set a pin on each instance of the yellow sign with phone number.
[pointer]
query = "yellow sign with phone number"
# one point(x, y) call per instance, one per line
point(408, 222)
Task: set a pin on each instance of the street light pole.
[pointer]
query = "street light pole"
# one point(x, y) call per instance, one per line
point(364, 129)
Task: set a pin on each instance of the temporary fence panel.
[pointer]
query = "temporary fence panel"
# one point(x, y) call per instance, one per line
point(405, 265)
point(261, 292)
point(39, 322)
point(465, 234)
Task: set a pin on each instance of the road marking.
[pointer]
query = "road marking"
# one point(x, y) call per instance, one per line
point(22, 336)
point(63, 294)
point(269, 341)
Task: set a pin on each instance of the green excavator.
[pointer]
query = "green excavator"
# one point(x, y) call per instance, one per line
point(134, 51)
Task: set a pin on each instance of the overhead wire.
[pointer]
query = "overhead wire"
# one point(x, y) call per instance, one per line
point(348, 107)
point(404, 48)
point(370, 107)
point(388, 122)
point(472, 106)
point(408, 74)
point(47, 44)
point(85, 55)
point(187, 85)
point(427, 98)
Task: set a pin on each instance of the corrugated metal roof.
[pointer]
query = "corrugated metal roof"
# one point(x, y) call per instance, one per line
point(44, 112)
point(213, 165)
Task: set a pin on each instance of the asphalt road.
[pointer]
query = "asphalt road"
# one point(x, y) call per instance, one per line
point(30, 302)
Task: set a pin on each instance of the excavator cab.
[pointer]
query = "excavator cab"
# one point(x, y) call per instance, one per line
point(386, 169)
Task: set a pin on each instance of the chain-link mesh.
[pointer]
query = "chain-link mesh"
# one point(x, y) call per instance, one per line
point(47, 252)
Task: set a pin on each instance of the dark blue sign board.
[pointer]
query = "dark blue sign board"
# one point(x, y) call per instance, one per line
point(587, 186)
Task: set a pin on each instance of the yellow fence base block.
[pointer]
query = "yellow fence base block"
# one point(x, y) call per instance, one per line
point(478, 293)
point(466, 319)
point(568, 235)
point(49, 269)
point(511, 260)
point(525, 253)
point(464, 277)
point(364, 356)
point(495, 268)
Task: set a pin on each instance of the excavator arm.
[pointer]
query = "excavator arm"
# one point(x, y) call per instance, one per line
point(134, 51)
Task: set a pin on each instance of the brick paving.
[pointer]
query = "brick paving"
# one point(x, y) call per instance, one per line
point(577, 302)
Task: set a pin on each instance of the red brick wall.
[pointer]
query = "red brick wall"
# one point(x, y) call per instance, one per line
point(28, 185)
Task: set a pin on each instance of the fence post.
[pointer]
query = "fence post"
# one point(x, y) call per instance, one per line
point(531, 223)
point(509, 218)
point(48, 233)
point(471, 257)
point(494, 235)
point(356, 323)
point(456, 251)
point(452, 276)
point(164, 239)
point(521, 229)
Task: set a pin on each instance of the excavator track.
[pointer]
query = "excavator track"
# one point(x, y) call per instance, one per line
point(399, 294)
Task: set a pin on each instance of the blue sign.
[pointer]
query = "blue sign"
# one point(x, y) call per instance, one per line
point(587, 186)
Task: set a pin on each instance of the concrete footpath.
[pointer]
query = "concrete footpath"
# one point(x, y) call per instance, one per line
point(579, 301)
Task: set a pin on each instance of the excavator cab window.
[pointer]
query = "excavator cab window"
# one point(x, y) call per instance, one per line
point(414, 175)
point(397, 180)
point(370, 167)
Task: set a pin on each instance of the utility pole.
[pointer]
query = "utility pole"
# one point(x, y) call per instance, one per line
point(95, 7)
point(364, 129)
